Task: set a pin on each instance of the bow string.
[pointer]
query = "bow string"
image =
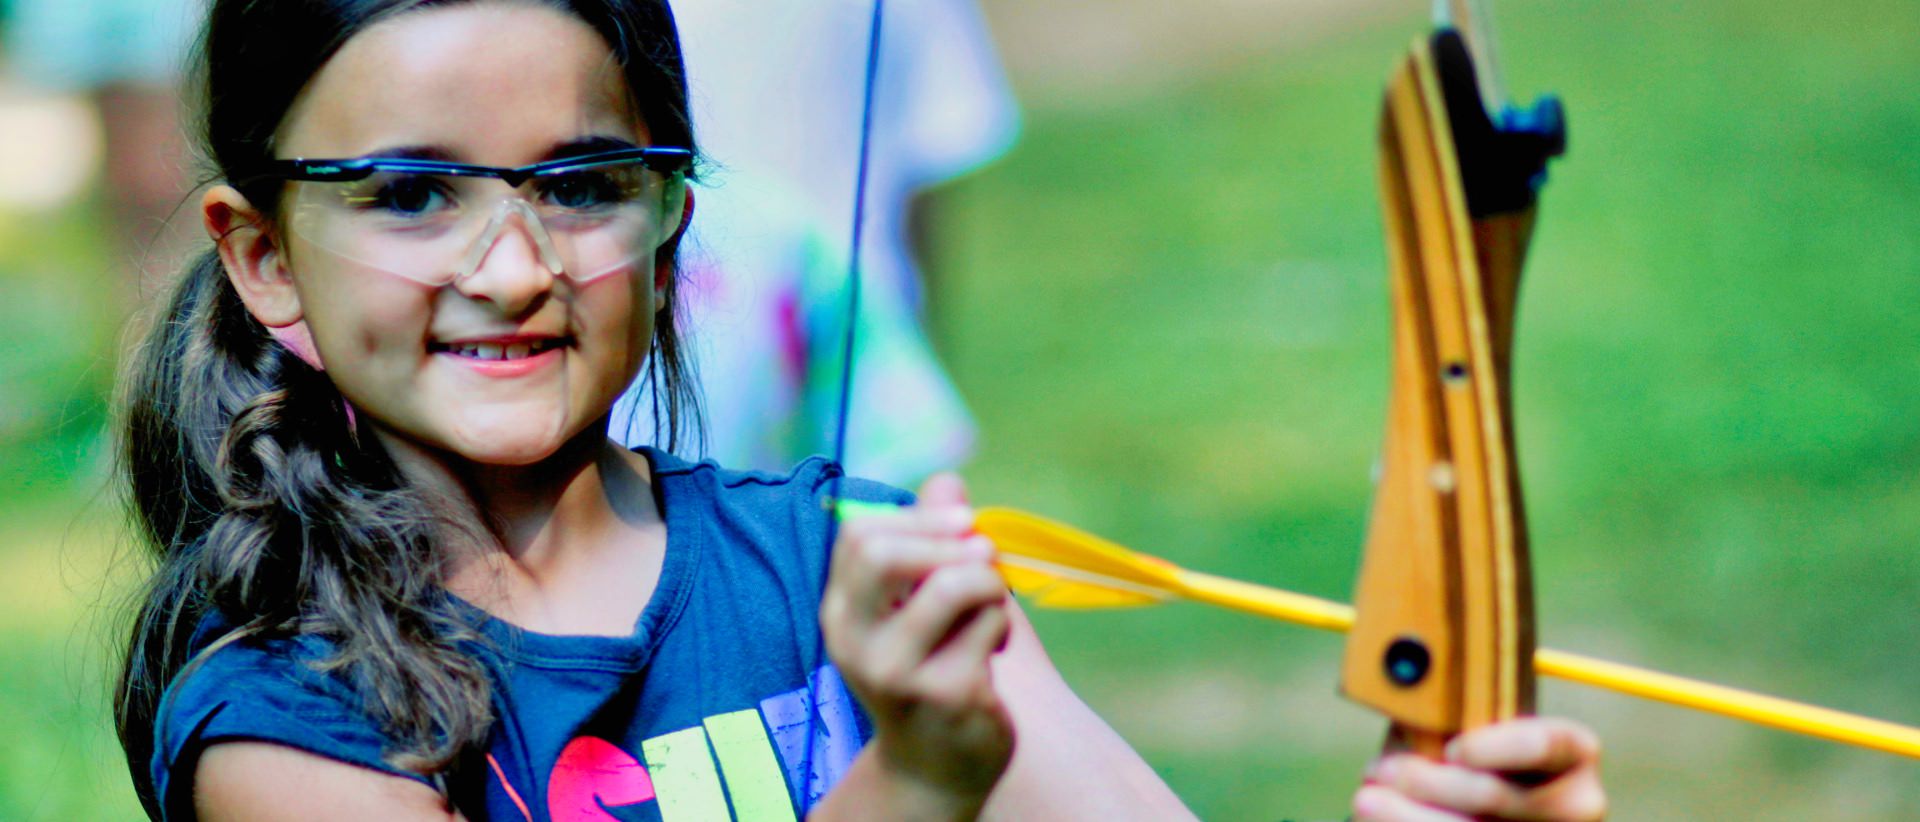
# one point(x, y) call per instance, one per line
point(808, 790)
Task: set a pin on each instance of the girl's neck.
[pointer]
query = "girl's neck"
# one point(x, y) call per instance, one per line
point(589, 489)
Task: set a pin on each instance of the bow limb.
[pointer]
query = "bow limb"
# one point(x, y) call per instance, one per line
point(1444, 629)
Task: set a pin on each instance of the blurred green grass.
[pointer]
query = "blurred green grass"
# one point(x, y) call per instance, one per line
point(1167, 307)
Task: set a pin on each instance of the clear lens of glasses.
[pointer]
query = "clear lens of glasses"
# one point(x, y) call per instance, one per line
point(437, 229)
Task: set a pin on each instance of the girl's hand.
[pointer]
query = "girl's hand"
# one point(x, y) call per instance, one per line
point(1523, 769)
point(912, 612)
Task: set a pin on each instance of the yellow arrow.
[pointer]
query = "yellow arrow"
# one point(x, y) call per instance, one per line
point(1056, 566)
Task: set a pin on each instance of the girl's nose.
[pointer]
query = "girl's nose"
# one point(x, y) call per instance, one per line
point(512, 264)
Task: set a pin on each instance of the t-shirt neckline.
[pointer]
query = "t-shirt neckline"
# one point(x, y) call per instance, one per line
point(670, 592)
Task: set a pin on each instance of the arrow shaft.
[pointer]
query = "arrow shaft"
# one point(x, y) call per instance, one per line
point(1760, 709)
point(1261, 600)
point(1773, 712)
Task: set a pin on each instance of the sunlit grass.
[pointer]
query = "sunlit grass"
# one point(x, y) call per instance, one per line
point(62, 572)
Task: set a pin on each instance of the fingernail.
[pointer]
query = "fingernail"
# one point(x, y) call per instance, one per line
point(1452, 752)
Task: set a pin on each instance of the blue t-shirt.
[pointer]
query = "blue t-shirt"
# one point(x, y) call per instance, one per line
point(701, 714)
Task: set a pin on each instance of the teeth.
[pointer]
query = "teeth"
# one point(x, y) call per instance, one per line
point(497, 351)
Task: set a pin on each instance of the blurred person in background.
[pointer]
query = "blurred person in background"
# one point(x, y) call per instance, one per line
point(767, 265)
point(777, 91)
point(124, 56)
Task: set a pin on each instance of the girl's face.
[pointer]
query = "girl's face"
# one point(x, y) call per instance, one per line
point(493, 83)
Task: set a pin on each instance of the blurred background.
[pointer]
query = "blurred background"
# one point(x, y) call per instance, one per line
point(1166, 307)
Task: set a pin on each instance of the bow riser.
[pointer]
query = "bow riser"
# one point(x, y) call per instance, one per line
point(1445, 603)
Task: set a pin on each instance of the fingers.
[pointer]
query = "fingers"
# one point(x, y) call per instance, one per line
point(1379, 804)
point(959, 665)
point(1440, 785)
point(939, 621)
point(913, 612)
point(1524, 769)
point(914, 607)
point(880, 559)
point(879, 548)
point(1547, 746)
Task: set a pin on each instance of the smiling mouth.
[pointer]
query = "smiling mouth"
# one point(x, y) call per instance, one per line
point(499, 351)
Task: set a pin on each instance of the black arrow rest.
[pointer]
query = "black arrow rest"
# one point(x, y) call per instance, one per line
point(1503, 164)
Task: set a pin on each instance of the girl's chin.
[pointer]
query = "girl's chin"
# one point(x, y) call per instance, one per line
point(507, 454)
point(508, 442)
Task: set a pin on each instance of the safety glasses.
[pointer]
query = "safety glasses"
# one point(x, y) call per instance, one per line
point(435, 222)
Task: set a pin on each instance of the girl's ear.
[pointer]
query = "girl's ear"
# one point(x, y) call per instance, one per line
point(254, 261)
point(663, 257)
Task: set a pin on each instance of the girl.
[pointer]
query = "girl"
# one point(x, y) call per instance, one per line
point(403, 573)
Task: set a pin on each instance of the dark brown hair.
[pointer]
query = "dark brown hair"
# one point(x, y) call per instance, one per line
point(258, 499)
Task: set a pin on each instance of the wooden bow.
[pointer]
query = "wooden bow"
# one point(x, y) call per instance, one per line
point(1444, 630)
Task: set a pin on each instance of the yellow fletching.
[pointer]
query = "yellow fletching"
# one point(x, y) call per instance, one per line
point(1055, 566)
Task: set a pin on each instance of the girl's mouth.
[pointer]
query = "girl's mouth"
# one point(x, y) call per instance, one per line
point(515, 350)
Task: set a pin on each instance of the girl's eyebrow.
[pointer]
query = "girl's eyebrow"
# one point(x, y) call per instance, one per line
point(592, 144)
point(418, 152)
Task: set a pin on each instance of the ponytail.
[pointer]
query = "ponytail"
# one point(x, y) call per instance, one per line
point(262, 505)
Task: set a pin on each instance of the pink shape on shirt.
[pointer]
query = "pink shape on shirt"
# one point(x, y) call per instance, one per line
point(592, 773)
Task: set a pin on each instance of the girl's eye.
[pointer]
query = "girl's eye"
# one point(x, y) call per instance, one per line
point(583, 190)
point(409, 195)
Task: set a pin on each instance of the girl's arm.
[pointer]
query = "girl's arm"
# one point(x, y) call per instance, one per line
point(265, 782)
point(923, 630)
point(1068, 764)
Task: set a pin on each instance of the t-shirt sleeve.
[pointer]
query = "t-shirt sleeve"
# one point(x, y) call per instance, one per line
point(815, 483)
point(827, 480)
point(264, 692)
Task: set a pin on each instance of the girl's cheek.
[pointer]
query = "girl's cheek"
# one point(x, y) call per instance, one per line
point(363, 316)
point(613, 315)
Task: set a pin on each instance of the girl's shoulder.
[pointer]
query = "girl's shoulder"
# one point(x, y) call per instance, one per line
point(745, 524)
point(262, 689)
point(805, 488)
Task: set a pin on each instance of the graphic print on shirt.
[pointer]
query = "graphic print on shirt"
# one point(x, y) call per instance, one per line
point(593, 772)
point(743, 765)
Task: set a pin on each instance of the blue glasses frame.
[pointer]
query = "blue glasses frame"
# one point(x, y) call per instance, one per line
point(663, 160)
